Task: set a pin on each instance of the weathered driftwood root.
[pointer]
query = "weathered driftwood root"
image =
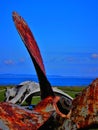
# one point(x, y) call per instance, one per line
point(83, 114)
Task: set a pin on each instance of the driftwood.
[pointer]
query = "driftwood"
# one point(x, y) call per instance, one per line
point(53, 112)
point(25, 92)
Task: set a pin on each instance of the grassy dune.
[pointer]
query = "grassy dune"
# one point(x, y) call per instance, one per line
point(72, 91)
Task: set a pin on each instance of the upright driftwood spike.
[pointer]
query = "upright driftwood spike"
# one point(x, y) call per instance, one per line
point(31, 45)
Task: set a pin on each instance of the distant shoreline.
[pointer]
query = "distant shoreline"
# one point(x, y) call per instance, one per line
point(14, 79)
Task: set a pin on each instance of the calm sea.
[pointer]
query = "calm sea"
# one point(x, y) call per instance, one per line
point(13, 79)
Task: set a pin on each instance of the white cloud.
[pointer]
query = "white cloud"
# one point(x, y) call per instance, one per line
point(94, 55)
point(22, 60)
point(9, 62)
point(13, 62)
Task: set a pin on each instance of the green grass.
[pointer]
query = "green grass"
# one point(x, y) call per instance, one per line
point(72, 91)
point(36, 100)
point(2, 95)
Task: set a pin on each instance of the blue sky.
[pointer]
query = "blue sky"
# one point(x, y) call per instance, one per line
point(66, 33)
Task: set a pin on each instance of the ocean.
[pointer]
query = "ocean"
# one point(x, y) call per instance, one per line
point(15, 79)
